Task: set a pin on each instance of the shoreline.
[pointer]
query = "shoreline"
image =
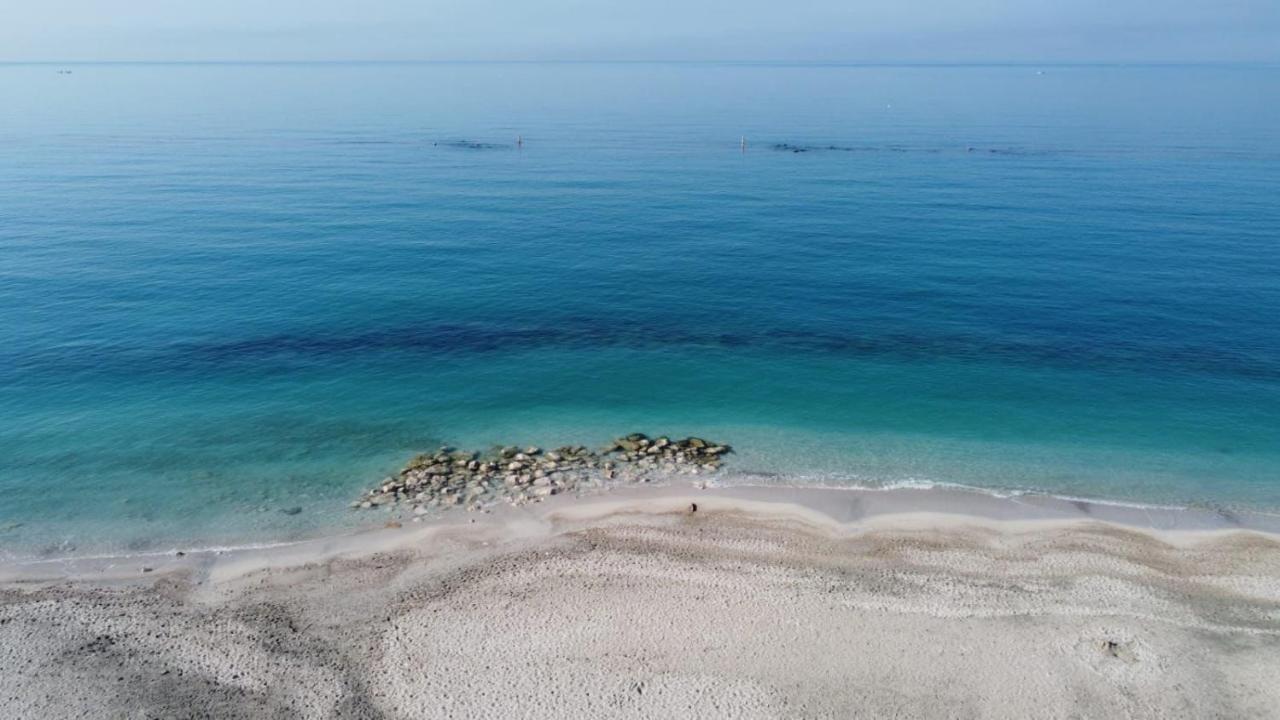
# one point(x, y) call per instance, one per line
point(450, 480)
point(838, 510)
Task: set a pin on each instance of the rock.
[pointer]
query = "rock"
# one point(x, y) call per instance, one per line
point(450, 477)
point(393, 524)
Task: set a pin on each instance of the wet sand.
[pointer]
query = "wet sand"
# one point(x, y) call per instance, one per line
point(761, 603)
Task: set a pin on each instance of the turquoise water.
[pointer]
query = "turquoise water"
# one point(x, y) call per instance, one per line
point(231, 290)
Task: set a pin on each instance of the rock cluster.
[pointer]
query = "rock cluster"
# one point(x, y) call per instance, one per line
point(450, 478)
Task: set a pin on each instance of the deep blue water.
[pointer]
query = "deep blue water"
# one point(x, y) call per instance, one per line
point(227, 290)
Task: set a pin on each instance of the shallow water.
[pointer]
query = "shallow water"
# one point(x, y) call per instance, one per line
point(232, 290)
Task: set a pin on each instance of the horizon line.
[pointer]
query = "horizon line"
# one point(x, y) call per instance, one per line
point(798, 63)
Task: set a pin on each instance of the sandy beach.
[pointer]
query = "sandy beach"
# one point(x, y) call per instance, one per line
point(636, 604)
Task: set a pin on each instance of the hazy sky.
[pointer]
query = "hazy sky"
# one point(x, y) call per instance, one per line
point(798, 30)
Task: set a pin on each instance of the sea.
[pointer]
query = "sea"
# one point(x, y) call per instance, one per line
point(233, 296)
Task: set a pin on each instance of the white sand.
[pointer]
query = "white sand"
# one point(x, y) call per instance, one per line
point(635, 607)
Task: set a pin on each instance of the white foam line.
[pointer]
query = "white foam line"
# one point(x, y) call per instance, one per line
point(1119, 503)
point(216, 549)
point(1012, 495)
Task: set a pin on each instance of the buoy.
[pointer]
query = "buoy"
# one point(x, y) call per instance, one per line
point(744, 143)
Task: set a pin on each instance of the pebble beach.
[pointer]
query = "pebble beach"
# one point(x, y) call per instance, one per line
point(666, 602)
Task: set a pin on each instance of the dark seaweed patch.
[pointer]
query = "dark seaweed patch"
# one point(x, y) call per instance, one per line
point(470, 145)
point(972, 149)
